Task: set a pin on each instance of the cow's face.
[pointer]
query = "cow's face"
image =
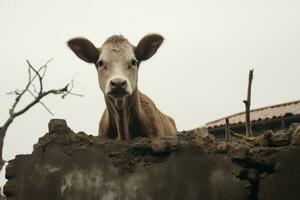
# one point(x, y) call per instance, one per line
point(117, 68)
point(117, 63)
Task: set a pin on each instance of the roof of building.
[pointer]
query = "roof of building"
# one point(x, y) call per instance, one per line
point(264, 113)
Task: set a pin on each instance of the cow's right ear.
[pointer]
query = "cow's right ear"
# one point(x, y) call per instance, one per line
point(148, 46)
point(84, 49)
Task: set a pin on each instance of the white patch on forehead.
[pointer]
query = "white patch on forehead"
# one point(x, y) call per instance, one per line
point(117, 52)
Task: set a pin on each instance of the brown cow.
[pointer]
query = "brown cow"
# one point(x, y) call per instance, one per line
point(129, 113)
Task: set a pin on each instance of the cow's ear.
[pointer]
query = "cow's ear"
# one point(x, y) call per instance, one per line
point(148, 46)
point(84, 49)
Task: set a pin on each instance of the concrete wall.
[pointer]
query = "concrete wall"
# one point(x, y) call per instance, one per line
point(192, 165)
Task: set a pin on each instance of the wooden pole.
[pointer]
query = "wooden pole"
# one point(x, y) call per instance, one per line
point(247, 106)
point(227, 131)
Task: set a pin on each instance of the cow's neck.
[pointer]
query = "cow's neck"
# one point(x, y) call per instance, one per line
point(121, 119)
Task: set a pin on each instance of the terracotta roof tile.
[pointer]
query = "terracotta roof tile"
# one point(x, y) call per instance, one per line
point(269, 112)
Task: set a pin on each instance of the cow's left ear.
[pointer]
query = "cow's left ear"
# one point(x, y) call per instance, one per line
point(84, 49)
point(148, 46)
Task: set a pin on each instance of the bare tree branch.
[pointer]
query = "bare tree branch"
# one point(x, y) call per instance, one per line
point(75, 94)
point(34, 89)
point(70, 90)
point(39, 97)
point(40, 94)
point(37, 72)
point(15, 92)
point(49, 111)
point(44, 105)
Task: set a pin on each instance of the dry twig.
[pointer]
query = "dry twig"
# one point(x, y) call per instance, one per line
point(37, 95)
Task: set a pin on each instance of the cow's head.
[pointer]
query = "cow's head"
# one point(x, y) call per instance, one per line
point(117, 62)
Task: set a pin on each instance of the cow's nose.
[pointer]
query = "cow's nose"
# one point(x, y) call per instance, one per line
point(118, 83)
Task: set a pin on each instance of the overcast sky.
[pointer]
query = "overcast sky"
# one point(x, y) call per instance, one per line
point(199, 74)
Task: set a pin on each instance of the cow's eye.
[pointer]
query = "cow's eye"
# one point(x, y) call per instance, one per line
point(100, 63)
point(133, 62)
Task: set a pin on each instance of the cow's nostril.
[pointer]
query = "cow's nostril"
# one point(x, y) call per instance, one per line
point(113, 83)
point(124, 84)
point(118, 83)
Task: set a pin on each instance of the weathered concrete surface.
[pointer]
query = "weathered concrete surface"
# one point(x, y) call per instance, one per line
point(192, 165)
point(284, 183)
